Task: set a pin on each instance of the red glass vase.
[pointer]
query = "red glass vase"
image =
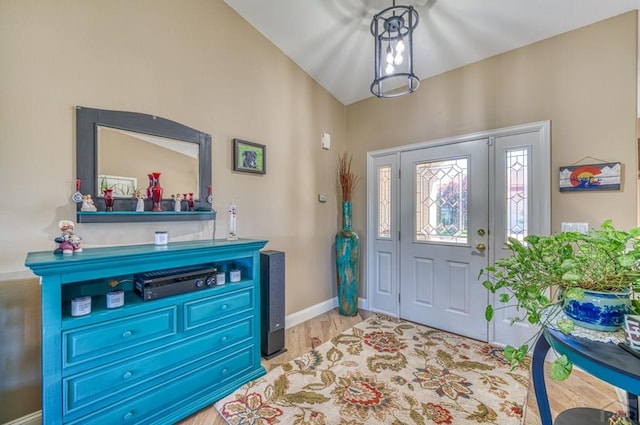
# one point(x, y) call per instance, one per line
point(108, 198)
point(156, 193)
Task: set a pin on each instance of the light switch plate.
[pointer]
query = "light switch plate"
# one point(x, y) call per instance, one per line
point(325, 141)
point(322, 197)
point(575, 227)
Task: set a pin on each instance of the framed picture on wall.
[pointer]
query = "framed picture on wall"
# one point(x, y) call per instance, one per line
point(249, 157)
point(591, 177)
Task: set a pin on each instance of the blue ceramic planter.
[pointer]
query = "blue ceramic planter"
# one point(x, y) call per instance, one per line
point(600, 311)
point(347, 270)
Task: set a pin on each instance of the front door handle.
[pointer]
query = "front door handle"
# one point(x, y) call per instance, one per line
point(481, 247)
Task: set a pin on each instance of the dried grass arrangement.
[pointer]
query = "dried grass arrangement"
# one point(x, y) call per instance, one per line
point(348, 181)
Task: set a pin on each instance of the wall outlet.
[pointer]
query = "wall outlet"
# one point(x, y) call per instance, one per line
point(575, 227)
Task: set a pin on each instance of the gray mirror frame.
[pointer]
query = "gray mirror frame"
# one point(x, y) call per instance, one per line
point(87, 122)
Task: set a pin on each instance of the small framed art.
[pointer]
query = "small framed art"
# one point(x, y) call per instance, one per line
point(591, 177)
point(249, 157)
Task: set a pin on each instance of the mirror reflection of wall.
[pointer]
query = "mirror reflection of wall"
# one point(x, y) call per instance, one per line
point(125, 159)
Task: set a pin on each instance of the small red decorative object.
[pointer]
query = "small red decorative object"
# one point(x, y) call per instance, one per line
point(190, 202)
point(108, 198)
point(156, 193)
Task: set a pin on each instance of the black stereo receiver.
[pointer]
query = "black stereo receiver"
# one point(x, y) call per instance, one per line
point(167, 282)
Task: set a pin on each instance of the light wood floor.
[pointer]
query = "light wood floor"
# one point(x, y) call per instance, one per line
point(580, 389)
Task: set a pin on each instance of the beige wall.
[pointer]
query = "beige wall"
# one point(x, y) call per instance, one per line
point(583, 81)
point(198, 63)
point(192, 61)
point(20, 383)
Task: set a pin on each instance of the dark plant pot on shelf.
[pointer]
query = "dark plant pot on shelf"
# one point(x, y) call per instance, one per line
point(347, 261)
point(600, 311)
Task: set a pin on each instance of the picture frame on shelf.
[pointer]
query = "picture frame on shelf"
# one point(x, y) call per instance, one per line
point(123, 187)
point(249, 157)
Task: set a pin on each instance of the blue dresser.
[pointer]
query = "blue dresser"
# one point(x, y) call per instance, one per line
point(146, 362)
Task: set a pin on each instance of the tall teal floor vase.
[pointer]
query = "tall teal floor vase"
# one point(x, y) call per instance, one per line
point(347, 259)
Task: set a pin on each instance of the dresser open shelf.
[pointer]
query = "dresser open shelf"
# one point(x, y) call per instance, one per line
point(154, 361)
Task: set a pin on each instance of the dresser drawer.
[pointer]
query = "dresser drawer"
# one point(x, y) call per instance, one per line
point(209, 310)
point(189, 386)
point(103, 340)
point(101, 387)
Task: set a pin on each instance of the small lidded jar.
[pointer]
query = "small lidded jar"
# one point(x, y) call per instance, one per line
point(161, 237)
point(115, 298)
point(80, 306)
point(234, 275)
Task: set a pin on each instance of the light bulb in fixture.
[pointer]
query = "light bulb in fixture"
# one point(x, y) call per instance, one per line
point(389, 69)
point(393, 74)
point(389, 58)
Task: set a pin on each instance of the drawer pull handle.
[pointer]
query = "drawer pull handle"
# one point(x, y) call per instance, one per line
point(223, 339)
point(127, 416)
point(224, 306)
point(127, 334)
point(127, 375)
point(224, 371)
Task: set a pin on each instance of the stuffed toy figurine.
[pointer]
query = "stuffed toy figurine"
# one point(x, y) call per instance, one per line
point(68, 242)
point(87, 204)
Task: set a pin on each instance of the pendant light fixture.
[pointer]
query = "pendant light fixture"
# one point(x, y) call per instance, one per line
point(392, 29)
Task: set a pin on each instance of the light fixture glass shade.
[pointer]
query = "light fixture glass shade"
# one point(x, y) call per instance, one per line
point(392, 29)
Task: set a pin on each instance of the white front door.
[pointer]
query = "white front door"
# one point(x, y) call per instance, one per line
point(443, 236)
point(428, 208)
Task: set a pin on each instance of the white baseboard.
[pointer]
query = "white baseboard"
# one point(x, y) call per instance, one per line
point(316, 310)
point(363, 304)
point(309, 313)
point(34, 418)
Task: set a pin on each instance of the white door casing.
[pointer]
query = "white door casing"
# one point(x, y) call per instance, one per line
point(383, 268)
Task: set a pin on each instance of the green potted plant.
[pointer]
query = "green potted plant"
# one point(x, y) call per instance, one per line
point(547, 278)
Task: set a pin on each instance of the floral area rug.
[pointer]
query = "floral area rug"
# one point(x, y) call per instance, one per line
point(386, 371)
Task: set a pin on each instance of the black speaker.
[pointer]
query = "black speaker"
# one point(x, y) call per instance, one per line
point(272, 303)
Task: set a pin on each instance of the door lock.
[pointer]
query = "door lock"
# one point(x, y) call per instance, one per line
point(481, 247)
point(481, 232)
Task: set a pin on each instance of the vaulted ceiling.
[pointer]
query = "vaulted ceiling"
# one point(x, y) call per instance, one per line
point(332, 42)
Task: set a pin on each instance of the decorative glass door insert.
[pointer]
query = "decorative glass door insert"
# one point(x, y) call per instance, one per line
point(441, 201)
point(384, 201)
point(517, 192)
